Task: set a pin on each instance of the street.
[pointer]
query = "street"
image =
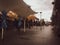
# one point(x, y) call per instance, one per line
point(35, 36)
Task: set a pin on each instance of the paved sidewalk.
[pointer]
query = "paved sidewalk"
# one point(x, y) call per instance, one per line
point(33, 36)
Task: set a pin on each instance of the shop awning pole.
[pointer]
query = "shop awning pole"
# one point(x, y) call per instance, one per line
point(2, 35)
point(24, 25)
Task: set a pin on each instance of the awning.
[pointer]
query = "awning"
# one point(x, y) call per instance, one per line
point(12, 16)
point(18, 6)
point(31, 17)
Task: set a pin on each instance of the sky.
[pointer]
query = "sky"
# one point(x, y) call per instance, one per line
point(44, 6)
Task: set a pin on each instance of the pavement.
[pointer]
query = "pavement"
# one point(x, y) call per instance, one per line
point(35, 36)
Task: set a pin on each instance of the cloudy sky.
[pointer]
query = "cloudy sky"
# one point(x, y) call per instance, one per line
point(43, 6)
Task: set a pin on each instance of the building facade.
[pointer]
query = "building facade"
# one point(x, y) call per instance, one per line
point(56, 13)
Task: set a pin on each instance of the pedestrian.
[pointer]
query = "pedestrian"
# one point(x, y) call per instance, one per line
point(0, 22)
point(18, 23)
point(30, 23)
point(4, 20)
point(42, 23)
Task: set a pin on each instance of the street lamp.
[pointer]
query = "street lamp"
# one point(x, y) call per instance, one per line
point(53, 3)
point(40, 15)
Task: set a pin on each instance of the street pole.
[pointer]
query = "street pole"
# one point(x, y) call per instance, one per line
point(40, 15)
point(2, 33)
point(24, 25)
point(40, 20)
